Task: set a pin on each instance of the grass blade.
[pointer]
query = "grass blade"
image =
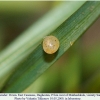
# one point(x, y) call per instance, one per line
point(67, 33)
point(32, 37)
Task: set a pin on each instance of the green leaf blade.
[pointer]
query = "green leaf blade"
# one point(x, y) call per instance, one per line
point(67, 34)
point(19, 49)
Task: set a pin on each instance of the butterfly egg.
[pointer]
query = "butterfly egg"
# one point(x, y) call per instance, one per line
point(50, 44)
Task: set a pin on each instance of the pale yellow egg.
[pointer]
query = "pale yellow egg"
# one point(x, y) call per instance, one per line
point(50, 44)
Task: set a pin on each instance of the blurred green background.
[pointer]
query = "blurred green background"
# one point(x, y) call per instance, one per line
point(78, 70)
